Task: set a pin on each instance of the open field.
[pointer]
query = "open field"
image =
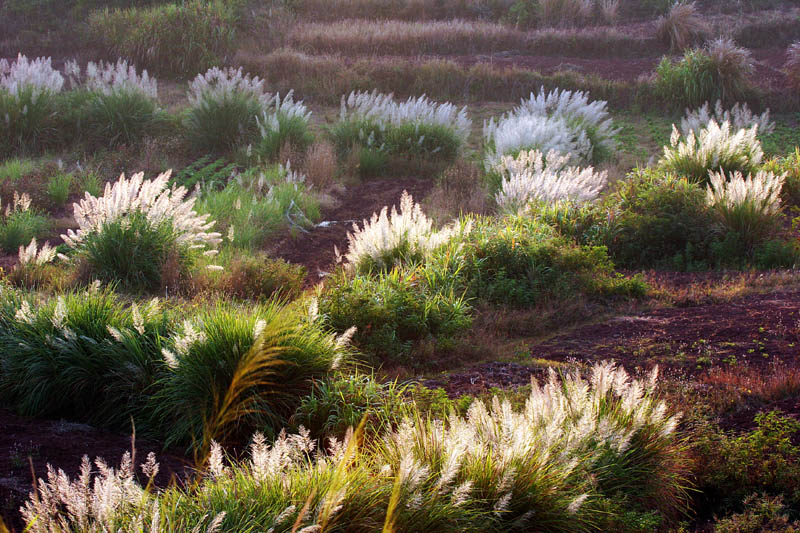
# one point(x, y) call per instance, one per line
point(399, 265)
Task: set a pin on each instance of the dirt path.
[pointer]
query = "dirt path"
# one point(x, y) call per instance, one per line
point(27, 443)
point(754, 330)
point(315, 250)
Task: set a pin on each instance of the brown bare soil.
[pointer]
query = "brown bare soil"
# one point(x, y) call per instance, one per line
point(315, 249)
point(27, 446)
point(755, 330)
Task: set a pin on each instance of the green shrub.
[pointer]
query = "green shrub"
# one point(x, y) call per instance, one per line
point(341, 402)
point(182, 39)
point(13, 170)
point(287, 124)
point(206, 173)
point(218, 125)
point(521, 262)
point(393, 313)
point(761, 514)
point(233, 370)
point(85, 355)
point(762, 460)
point(260, 277)
point(790, 165)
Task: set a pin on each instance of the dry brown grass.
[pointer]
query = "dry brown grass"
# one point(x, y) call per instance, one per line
point(327, 10)
point(320, 165)
point(774, 383)
point(565, 13)
point(792, 65)
point(463, 37)
point(323, 79)
point(682, 27)
point(460, 189)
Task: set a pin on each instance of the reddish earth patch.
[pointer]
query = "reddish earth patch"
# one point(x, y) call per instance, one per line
point(315, 250)
point(62, 444)
point(754, 330)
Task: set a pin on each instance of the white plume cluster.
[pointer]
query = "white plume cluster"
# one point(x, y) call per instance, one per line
point(564, 121)
point(739, 117)
point(33, 255)
point(407, 229)
point(37, 75)
point(154, 200)
point(108, 78)
point(384, 110)
point(532, 176)
point(222, 84)
point(761, 191)
point(286, 108)
point(716, 146)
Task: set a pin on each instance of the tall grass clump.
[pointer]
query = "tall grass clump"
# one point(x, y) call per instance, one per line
point(739, 117)
point(173, 38)
point(29, 104)
point(84, 355)
point(682, 26)
point(717, 147)
point(376, 127)
point(402, 237)
point(563, 121)
point(20, 223)
point(136, 229)
point(231, 370)
point(286, 122)
point(532, 177)
point(549, 466)
point(720, 71)
point(258, 203)
point(747, 206)
point(224, 106)
point(120, 105)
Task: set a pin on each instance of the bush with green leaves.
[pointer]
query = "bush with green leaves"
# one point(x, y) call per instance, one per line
point(790, 167)
point(717, 147)
point(376, 128)
point(231, 370)
point(258, 203)
point(137, 230)
point(522, 262)
point(29, 104)
point(394, 313)
point(341, 402)
point(285, 123)
point(20, 223)
point(85, 355)
point(172, 38)
point(718, 72)
point(547, 467)
point(765, 459)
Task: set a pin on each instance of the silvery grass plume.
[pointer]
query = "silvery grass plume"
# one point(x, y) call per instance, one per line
point(546, 450)
point(384, 110)
point(739, 117)
point(110, 500)
point(286, 108)
point(33, 255)
point(387, 237)
point(223, 84)
point(19, 203)
point(533, 177)
point(762, 191)
point(108, 78)
point(715, 147)
point(514, 133)
point(35, 74)
point(577, 110)
point(149, 197)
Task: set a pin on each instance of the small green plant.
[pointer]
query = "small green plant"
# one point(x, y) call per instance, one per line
point(90, 182)
point(59, 187)
point(13, 170)
point(20, 223)
point(206, 172)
